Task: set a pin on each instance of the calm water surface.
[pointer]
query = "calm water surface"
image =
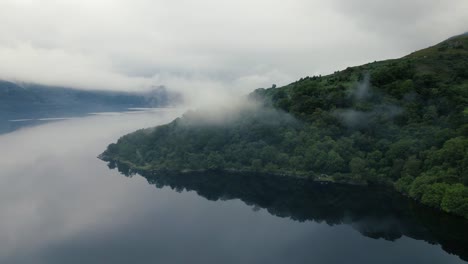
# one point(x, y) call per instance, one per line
point(60, 204)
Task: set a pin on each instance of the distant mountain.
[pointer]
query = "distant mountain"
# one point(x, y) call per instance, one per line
point(46, 100)
point(401, 123)
point(29, 101)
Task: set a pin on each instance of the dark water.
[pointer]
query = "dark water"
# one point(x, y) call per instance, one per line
point(60, 204)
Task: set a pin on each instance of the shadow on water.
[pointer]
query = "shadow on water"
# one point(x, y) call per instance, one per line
point(375, 212)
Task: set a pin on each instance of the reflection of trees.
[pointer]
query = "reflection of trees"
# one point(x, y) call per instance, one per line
point(373, 211)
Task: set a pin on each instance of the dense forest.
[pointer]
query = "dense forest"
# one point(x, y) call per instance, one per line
point(402, 123)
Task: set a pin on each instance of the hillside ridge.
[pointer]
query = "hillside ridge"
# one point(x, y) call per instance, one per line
point(401, 122)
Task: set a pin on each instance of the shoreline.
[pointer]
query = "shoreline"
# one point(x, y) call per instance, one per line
point(134, 169)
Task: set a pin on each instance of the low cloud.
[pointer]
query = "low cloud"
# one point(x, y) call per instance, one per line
point(360, 119)
point(185, 46)
point(362, 90)
point(362, 93)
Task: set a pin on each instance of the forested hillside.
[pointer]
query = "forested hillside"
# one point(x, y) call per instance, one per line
point(400, 122)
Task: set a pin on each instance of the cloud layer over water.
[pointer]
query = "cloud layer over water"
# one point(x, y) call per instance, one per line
point(201, 47)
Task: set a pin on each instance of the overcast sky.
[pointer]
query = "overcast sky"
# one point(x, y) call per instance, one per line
point(236, 45)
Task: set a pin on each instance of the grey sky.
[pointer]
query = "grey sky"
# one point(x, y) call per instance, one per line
point(210, 44)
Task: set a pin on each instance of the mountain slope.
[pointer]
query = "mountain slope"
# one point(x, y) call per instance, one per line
point(30, 98)
point(400, 122)
point(29, 101)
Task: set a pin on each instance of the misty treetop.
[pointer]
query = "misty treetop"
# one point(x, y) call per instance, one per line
point(400, 122)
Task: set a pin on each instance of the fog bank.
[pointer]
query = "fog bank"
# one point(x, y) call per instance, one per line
point(210, 48)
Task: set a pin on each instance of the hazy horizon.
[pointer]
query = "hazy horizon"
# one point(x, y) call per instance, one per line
point(209, 47)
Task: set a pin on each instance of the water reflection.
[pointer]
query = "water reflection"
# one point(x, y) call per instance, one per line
point(60, 204)
point(10, 122)
point(374, 212)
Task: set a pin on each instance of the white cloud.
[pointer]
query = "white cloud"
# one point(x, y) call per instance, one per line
point(221, 45)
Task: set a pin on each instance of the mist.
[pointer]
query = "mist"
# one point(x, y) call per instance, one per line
point(362, 93)
point(362, 90)
point(210, 56)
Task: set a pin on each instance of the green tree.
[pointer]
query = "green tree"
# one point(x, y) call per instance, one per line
point(433, 194)
point(357, 166)
point(456, 200)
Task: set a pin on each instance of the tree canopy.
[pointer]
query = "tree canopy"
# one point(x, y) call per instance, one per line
point(400, 122)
